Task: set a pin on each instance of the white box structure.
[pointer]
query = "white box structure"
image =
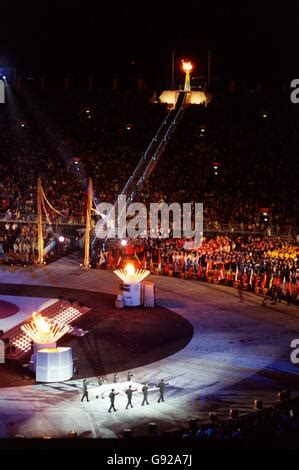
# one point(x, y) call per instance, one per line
point(36, 348)
point(132, 294)
point(148, 294)
point(54, 365)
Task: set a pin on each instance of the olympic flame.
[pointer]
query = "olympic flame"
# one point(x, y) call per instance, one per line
point(130, 268)
point(187, 66)
point(40, 323)
point(41, 331)
point(130, 274)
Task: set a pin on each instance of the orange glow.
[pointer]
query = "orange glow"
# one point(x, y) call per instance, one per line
point(187, 66)
point(130, 274)
point(130, 268)
point(40, 323)
point(196, 97)
point(41, 331)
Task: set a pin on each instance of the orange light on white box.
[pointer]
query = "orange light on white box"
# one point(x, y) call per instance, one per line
point(130, 274)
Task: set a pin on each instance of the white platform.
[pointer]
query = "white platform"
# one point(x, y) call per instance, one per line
point(27, 305)
point(132, 297)
point(54, 365)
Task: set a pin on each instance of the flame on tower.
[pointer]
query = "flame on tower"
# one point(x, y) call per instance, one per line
point(187, 66)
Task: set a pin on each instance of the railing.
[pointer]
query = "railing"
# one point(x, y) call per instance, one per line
point(284, 231)
point(272, 231)
point(32, 219)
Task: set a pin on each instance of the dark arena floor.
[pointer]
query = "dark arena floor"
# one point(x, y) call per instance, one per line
point(117, 339)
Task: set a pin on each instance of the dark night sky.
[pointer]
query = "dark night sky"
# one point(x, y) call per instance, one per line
point(257, 39)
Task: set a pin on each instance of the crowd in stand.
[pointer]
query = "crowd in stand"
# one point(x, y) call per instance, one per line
point(259, 265)
point(277, 421)
point(67, 140)
point(237, 156)
point(18, 242)
point(263, 425)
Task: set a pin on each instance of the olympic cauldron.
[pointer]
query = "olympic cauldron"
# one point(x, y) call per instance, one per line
point(132, 287)
point(49, 362)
